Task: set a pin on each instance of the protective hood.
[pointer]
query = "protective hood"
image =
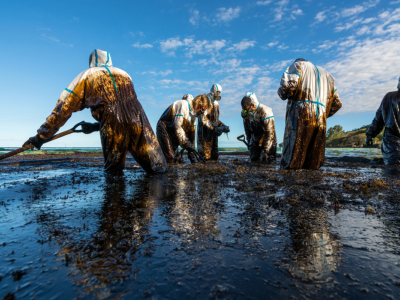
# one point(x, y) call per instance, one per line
point(215, 88)
point(253, 98)
point(99, 58)
point(187, 97)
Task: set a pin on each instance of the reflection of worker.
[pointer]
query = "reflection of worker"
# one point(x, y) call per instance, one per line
point(312, 98)
point(210, 127)
point(259, 125)
point(123, 125)
point(177, 126)
point(388, 116)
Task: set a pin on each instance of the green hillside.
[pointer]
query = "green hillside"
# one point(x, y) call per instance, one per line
point(337, 137)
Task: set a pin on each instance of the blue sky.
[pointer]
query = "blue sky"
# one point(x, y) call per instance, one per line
point(170, 48)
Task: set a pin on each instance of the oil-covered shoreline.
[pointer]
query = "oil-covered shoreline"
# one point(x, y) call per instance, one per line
point(224, 230)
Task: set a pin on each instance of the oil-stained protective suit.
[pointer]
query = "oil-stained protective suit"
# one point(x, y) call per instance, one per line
point(207, 135)
point(177, 127)
point(388, 117)
point(111, 97)
point(312, 98)
point(259, 127)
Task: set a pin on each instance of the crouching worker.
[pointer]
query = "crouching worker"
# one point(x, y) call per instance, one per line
point(210, 127)
point(312, 98)
point(177, 127)
point(259, 126)
point(123, 125)
point(387, 116)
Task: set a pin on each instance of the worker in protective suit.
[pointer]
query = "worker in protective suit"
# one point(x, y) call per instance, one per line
point(177, 127)
point(259, 126)
point(210, 127)
point(388, 117)
point(312, 98)
point(122, 122)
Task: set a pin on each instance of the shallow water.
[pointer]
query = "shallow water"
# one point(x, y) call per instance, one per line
point(73, 231)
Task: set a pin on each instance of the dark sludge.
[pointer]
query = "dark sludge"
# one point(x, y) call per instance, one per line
point(222, 230)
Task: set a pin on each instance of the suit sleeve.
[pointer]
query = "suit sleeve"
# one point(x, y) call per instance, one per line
point(336, 104)
point(269, 133)
point(377, 123)
point(289, 81)
point(71, 100)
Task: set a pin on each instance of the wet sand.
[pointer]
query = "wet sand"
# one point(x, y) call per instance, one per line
point(224, 230)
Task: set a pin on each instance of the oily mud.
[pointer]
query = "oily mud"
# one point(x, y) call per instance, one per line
point(223, 230)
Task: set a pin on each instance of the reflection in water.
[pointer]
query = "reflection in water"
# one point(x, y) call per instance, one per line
point(314, 253)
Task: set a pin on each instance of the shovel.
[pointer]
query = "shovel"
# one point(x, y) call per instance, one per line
point(27, 147)
point(241, 138)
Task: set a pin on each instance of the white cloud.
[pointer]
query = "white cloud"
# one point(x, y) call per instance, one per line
point(51, 38)
point(297, 12)
point(325, 46)
point(321, 16)
point(162, 73)
point(386, 19)
point(144, 46)
point(283, 47)
point(139, 33)
point(281, 65)
point(193, 85)
point(365, 73)
point(263, 2)
point(369, 20)
point(192, 47)
point(272, 44)
point(348, 25)
point(349, 12)
point(195, 17)
point(170, 45)
point(281, 8)
point(226, 15)
point(243, 45)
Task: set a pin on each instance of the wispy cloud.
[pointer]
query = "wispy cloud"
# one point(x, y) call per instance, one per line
point(280, 9)
point(296, 13)
point(355, 10)
point(263, 2)
point(143, 46)
point(195, 17)
point(227, 14)
point(162, 73)
point(243, 45)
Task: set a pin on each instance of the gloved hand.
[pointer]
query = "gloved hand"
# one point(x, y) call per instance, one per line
point(368, 140)
point(36, 141)
point(282, 94)
point(88, 128)
point(191, 155)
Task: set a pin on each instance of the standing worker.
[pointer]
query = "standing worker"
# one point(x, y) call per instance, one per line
point(122, 122)
point(177, 127)
point(259, 126)
point(312, 98)
point(388, 117)
point(210, 127)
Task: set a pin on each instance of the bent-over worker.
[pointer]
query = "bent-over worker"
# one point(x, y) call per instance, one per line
point(259, 126)
point(388, 116)
point(122, 122)
point(312, 98)
point(177, 127)
point(210, 127)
